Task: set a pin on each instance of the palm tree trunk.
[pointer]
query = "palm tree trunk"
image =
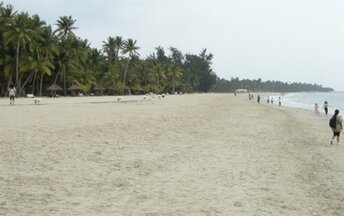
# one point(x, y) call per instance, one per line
point(173, 83)
point(17, 68)
point(57, 74)
point(41, 85)
point(9, 83)
point(24, 84)
point(2, 90)
point(125, 73)
point(64, 82)
point(33, 83)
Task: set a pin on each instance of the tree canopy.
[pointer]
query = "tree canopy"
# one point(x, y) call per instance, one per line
point(258, 85)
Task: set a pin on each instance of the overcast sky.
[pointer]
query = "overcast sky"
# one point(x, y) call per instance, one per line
point(286, 40)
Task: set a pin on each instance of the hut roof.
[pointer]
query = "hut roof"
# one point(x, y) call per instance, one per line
point(98, 88)
point(112, 88)
point(54, 87)
point(138, 89)
point(74, 87)
point(126, 88)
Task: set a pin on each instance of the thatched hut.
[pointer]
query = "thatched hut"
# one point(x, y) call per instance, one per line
point(98, 90)
point(127, 90)
point(138, 91)
point(75, 90)
point(112, 90)
point(53, 89)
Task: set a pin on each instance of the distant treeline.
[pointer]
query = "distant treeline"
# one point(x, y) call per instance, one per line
point(223, 85)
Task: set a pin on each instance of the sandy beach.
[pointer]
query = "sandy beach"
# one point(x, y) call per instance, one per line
point(200, 154)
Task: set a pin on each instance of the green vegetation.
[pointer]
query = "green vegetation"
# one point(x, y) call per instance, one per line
point(34, 56)
point(223, 85)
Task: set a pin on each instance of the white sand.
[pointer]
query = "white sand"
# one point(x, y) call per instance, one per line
point(207, 154)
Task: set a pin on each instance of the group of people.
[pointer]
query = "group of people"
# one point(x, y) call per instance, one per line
point(325, 107)
point(268, 99)
point(271, 100)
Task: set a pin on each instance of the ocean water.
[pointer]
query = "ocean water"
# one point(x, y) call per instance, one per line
point(307, 100)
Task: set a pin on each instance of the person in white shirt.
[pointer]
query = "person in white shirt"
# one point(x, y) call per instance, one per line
point(12, 93)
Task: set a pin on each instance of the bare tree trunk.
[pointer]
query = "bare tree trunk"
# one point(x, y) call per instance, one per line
point(19, 90)
point(2, 87)
point(57, 74)
point(37, 86)
point(41, 85)
point(33, 82)
point(64, 82)
point(17, 69)
point(125, 73)
point(24, 84)
point(173, 84)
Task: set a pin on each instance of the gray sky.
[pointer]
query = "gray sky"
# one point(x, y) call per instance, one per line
point(286, 40)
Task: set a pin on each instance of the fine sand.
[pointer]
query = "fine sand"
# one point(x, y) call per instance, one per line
point(205, 154)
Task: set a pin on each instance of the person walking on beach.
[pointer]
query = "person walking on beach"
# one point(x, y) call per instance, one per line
point(258, 99)
point(268, 99)
point(272, 100)
point(336, 126)
point(325, 106)
point(12, 93)
point(316, 109)
point(279, 101)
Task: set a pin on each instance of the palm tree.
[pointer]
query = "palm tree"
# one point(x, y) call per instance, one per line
point(130, 48)
point(95, 58)
point(175, 73)
point(158, 71)
point(19, 34)
point(49, 49)
point(65, 27)
point(7, 15)
point(7, 61)
point(38, 64)
point(109, 47)
point(118, 46)
point(112, 46)
point(85, 80)
point(7, 65)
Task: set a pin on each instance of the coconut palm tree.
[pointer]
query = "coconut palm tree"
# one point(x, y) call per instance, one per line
point(94, 59)
point(7, 56)
point(158, 72)
point(7, 15)
point(130, 48)
point(49, 49)
point(175, 72)
point(65, 27)
point(118, 46)
point(109, 47)
point(20, 35)
point(38, 64)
